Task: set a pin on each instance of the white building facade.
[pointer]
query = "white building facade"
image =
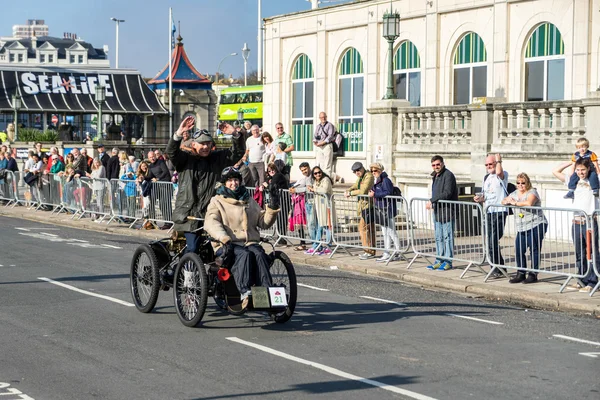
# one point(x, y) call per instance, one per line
point(449, 52)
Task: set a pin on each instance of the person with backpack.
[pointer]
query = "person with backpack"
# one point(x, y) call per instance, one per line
point(385, 211)
point(443, 187)
point(495, 188)
point(323, 144)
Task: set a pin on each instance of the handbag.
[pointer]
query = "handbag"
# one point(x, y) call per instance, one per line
point(30, 178)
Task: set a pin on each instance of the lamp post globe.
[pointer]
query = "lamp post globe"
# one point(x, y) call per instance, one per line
point(100, 98)
point(245, 55)
point(391, 32)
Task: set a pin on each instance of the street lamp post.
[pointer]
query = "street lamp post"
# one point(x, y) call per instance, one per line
point(391, 31)
point(16, 106)
point(221, 62)
point(100, 98)
point(245, 54)
point(117, 45)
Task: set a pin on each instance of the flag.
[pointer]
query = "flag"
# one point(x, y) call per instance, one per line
point(173, 30)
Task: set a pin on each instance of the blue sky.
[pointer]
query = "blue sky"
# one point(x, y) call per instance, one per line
point(210, 29)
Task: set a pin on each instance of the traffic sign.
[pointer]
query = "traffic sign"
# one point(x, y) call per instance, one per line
point(55, 119)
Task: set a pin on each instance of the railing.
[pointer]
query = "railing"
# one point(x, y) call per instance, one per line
point(435, 125)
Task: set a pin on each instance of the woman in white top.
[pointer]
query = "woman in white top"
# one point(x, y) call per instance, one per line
point(531, 227)
point(586, 201)
point(98, 175)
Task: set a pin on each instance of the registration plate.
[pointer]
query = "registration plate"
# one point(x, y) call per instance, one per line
point(277, 297)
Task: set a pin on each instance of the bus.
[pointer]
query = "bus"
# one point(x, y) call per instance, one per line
point(247, 98)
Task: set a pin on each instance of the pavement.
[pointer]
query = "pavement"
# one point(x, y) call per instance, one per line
point(542, 295)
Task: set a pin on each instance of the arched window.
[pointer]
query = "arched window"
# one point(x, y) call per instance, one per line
point(545, 65)
point(351, 97)
point(303, 104)
point(407, 73)
point(470, 69)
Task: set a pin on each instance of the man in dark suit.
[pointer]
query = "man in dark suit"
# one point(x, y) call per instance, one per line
point(113, 166)
point(102, 155)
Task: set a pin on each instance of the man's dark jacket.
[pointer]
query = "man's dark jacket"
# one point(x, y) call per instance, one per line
point(444, 188)
point(112, 168)
point(104, 159)
point(159, 170)
point(197, 179)
point(12, 165)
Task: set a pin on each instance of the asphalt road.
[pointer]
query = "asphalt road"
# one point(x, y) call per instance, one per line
point(352, 337)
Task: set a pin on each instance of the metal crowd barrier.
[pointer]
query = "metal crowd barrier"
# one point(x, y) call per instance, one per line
point(8, 187)
point(270, 233)
point(299, 218)
point(162, 200)
point(372, 225)
point(449, 231)
point(549, 251)
point(97, 198)
point(596, 259)
point(24, 194)
point(127, 203)
point(50, 191)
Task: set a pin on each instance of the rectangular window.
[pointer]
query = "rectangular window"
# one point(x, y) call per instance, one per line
point(534, 76)
point(401, 86)
point(50, 58)
point(462, 85)
point(297, 88)
point(80, 59)
point(414, 89)
point(358, 97)
point(20, 57)
point(345, 97)
point(479, 82)
point(309, 107)
point(72, 59)
point(556, 79)
point(42, 58)
point(11, 58)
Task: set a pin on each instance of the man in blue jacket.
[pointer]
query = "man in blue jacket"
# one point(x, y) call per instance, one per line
point(443, 188)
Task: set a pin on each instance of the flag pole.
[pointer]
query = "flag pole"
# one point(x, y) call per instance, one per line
point(170, 72)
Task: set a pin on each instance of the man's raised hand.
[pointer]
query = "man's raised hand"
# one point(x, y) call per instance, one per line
point(186, 125)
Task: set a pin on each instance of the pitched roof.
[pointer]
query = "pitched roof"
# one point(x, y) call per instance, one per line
point(62, 45)
point(184, 75)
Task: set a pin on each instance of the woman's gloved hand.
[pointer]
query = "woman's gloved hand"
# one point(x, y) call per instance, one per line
point(274, 199)
point(229, 255)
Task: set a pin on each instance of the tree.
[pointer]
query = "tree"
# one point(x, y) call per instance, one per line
point(252, 78)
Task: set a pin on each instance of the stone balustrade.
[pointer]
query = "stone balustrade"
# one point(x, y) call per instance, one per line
point(426, 126)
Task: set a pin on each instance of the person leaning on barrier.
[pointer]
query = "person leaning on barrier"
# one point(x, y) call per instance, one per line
point(443, 187)
point(113, 165)
point(586, 201)
point(531, 227)
point(233, 217)
point(198, 172)
point(299, 189)
point(494, 189)
point(366, 226)
point(12, 163)
point(385, 211)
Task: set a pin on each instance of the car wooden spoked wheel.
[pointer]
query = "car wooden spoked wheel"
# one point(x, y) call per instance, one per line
point(190, 289)
point(144, 279)
point(283, 275)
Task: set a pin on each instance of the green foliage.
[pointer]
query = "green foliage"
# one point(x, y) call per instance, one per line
point(34, 135)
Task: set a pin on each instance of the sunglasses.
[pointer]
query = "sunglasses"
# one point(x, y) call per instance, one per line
point(436, 165)
point(317, 173)
point(375, 170)
point(521, 183)
point(487, 165)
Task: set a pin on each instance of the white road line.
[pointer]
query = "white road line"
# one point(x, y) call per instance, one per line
point(382, 300)
point(23, 229)
point(333, 371)
point(112, 247)
point(476, 319)
point(100, 296)
point(49, 234)
point(574, 339)
point(592, 355)
point(313, 287)
point(79, 240)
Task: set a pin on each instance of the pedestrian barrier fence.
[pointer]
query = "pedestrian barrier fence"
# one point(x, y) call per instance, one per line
point(272, 231)
point(50, 190)
point(298, 219)
point(8, 185)
point(363, 222)
point(596, 253)
point(95, 198)
point(528, 240)
point(127, 203)
point(447, 231)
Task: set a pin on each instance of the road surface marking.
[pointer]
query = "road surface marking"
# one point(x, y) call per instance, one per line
point(476, 319)
point(23, 229)
point(109, 246)
point(333, 371)
point(593, 355)
point(574, 339)
point(382, 300)
point(313, 287)
point(79, 240)
point(100, 296)
point(49, 234)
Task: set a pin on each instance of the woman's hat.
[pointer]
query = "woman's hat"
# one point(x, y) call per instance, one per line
point(377, 166)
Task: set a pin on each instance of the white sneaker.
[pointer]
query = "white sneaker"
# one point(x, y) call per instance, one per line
point(384, 257)
point(366, 256)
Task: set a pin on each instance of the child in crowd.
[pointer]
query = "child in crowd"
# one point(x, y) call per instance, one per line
point(280, 154)
point(583, 151)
